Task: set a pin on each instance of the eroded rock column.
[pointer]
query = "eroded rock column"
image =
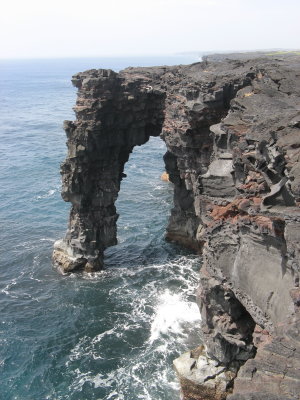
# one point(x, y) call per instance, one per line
point(113, 116)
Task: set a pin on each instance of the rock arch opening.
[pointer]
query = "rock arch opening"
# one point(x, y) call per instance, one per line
point(143, 205)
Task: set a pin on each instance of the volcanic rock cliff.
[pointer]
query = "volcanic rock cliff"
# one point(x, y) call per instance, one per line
point(232, 130)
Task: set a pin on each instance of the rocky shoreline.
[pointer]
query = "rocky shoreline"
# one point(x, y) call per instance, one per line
point(232, 131)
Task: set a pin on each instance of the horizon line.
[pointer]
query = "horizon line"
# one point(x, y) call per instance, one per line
point(177, 54)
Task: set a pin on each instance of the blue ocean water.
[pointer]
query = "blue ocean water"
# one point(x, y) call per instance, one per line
point(108, 335)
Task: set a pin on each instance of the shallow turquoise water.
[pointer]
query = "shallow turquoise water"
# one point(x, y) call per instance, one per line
point(110, 335)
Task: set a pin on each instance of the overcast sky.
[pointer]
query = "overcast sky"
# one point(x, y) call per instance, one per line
point(72, 28)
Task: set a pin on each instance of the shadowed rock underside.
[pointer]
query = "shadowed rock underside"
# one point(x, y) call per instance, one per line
point(232, 131)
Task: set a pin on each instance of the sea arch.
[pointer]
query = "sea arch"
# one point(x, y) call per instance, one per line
point(114, 113)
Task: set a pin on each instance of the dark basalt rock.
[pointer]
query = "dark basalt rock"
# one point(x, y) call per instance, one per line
point(232, 130)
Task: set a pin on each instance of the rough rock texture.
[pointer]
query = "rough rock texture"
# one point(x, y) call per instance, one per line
point(232, 130)
point(202, 377)
point(113, 116)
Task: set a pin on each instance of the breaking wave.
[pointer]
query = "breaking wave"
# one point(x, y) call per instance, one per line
point(154, 319)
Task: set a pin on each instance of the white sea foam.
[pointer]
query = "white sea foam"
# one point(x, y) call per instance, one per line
point(171, 312)
point(9, 288)
point(99, 337)
point(52, 240)
point(165, 314)
point(48, 194)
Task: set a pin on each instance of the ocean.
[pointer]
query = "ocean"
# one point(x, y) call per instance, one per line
point(107, 335)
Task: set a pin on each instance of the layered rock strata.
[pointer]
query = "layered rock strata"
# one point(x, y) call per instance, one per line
point(232, 130)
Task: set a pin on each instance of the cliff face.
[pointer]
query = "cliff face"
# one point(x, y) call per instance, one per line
point(232, 130)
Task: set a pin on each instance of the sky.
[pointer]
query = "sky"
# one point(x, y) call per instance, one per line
point(91, 28)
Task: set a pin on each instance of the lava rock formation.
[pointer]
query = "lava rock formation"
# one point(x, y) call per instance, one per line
point(232, 131)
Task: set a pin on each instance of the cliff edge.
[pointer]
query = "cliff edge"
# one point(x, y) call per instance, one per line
point(232, 130)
